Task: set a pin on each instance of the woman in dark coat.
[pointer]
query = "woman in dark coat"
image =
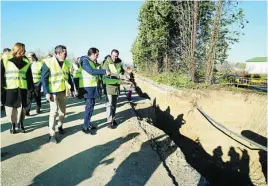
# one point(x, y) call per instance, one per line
point(17, 79)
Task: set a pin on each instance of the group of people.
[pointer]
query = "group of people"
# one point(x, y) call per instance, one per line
point(23, 77)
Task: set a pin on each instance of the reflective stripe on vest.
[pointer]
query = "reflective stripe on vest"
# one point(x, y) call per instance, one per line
point(77, 71)
point(15, 78)
point(36, 71)
point(113, 70)
point(58, 78)
point(86, 79)
point(111, 81)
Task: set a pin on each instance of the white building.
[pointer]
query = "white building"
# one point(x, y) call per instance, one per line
point(257, 65)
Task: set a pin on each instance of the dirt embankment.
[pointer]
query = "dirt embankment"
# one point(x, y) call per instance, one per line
point(215, 155)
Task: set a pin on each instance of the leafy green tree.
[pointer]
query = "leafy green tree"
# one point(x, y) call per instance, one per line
point(187, 37)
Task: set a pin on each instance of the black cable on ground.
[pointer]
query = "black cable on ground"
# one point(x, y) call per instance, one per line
point(222, 128)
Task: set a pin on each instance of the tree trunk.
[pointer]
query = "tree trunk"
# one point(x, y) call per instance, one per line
point(156, 67)
point(166, 63)
point(193, 61)
point(213, 40)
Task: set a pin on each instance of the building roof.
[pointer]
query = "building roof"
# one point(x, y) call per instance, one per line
point(258, 59)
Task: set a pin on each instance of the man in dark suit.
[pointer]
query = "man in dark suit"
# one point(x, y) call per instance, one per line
point(88, 83)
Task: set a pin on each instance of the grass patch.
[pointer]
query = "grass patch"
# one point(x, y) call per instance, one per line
point(182, 81)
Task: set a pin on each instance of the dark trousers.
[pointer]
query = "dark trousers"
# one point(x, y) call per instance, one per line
point(104, 88)
point(99, 87)
point(36, 94)
point(76, 83)
point(3, 96)
point(90, 103)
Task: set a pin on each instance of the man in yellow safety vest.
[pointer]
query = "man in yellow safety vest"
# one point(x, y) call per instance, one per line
point(36, 66)
point(114, 66)
point(88, 83)
point(76, 73)
point(57, 83)
point(5, 53)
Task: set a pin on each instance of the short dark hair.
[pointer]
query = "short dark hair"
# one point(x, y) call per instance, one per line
point(6, 50)
point(92, 50)
point(59, 49)
point(33, 55)
point(115, 50)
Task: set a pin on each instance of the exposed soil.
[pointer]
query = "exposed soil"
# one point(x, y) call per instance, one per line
point(221, 159)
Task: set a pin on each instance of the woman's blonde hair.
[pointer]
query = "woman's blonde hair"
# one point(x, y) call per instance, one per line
point(18, 50)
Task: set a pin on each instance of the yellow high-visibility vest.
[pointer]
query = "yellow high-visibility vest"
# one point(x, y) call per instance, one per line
point(86, 79)
point(5, 55)
point(114, 70)
point(36, 71)
point(77, 71)
point(15, 78)
point(58, 78)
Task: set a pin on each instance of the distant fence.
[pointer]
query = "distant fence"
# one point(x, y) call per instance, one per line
point(250, 82)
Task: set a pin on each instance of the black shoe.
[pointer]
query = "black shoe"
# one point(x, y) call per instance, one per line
point(115, 123)
point(111, 126)
point(38, 111)
point(2, 107)
point(92, 127)
point(52, 139)
point(3, 154)
point(21, 127)
point(61, 131)
point(13, 128)
point(86, 131)
point(27, 113)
